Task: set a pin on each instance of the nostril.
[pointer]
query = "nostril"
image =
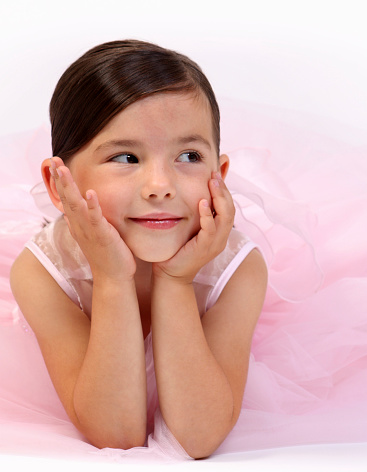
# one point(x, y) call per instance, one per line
point(158, 189)
point(156, 195)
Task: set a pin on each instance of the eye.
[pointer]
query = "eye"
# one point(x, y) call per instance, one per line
point(125, 158)
point(190, 156)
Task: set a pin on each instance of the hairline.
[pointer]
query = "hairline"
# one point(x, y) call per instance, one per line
point(192, 90)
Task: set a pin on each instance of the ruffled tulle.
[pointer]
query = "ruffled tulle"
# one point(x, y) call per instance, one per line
point(300, 187)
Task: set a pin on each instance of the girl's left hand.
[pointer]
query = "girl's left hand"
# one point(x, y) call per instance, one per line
point(208, 242)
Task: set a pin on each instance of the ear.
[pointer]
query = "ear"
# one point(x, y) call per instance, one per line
point(223, 165)
point(50, 185)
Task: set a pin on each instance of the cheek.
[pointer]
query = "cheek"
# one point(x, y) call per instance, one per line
point(196, 193)
point(200, 192)
point(113, 202)
point(196, 186)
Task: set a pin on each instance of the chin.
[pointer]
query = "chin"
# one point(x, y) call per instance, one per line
point(157, 248)
point(157, 254)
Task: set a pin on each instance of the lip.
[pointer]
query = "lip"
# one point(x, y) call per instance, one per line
point(159, 221)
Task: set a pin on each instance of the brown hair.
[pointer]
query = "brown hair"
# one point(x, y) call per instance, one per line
point(109, 78)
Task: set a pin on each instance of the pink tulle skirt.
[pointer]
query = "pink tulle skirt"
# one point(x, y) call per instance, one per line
point(300, 187)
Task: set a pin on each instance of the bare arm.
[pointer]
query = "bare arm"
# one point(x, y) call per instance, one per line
point(97, 366)
point(110, 392)
point(201, 365)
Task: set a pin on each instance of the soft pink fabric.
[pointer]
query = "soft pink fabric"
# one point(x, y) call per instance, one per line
point(300, 185)
point(62, 257)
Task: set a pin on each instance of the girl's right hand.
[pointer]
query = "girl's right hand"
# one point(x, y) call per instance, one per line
point(107, 254)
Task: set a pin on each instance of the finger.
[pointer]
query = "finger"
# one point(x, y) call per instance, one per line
point(206, 236)
point(70, 196)
point(54, 163)
point(94, 209)
point(207, 223)
point(222, 201)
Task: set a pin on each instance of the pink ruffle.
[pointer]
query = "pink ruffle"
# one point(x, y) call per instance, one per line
point(300, 186)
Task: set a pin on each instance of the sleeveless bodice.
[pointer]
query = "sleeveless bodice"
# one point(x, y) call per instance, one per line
point(60, 254)
point(62, 257)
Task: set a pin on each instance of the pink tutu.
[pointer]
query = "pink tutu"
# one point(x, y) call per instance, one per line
point(300, 187)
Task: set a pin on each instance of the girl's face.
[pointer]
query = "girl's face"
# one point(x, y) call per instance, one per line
point(150, 167)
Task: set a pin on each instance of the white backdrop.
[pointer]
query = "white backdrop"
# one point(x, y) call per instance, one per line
point(302, 55)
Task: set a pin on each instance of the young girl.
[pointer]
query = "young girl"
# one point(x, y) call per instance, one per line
point(144, 263)
point(148, 268)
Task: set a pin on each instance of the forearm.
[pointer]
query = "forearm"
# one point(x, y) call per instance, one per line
point(110, 392)
point(195, 396)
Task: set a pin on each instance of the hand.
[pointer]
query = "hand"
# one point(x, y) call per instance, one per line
point(208, 242)
point(105, 250)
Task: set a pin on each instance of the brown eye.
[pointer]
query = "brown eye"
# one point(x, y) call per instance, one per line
point(125, 159)
point(190, 156)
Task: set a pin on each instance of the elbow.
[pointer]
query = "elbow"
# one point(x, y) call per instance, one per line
point(206, 441)
point(197, 455)
point(105, 429)
point(200, 451)
point(115, 436)
point(117, 442)
point(203, 447)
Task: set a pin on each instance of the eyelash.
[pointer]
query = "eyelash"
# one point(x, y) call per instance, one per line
point(198, 156)
point(125, 154)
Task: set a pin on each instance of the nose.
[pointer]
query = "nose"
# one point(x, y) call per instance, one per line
point(158, 182)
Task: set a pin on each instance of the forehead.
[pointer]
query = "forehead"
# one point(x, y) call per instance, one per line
point(170, 113)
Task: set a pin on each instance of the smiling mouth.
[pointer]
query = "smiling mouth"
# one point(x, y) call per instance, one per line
point(157, 222)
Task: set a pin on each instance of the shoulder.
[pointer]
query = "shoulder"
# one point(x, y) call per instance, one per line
point(25, 264)
point(41, 300)
point(245, 289)
point(247, 285)
point(252, 270)
point(229, 268)
point(27, 272)
point(239, 304)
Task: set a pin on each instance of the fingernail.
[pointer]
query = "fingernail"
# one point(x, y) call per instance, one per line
point(59, 172)
point(216, 182)
point(205, 203)
point(52, 167)
point(218, 176)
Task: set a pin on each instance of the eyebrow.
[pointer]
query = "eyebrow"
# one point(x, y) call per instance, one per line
point(129, 143)
point(118, 143)
point(194, 138)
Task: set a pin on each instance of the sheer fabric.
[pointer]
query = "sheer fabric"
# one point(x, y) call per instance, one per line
point(300, 188)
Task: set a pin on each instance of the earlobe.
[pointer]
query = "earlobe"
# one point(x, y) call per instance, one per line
point(223, 165)
point(50, 185)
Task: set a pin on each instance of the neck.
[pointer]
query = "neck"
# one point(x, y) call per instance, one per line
point(143, 269)
point(143, 284)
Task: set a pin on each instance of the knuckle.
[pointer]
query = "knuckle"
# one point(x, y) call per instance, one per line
point(230, 220)
point(74, 206)
point(212, 230)
point(94, 220)
point(229, 215)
